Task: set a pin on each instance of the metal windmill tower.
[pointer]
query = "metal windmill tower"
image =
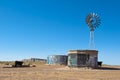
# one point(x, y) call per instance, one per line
point(93, 21)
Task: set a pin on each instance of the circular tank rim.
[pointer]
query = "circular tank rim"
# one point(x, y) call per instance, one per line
point(58, 55)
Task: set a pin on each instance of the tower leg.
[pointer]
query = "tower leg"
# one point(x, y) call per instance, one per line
point(91, 41)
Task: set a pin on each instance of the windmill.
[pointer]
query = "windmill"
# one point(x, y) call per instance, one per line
point(93, 21)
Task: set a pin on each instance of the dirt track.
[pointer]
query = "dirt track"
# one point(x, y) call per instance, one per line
point(46, 72)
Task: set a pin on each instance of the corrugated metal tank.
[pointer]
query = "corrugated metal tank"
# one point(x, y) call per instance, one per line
point(57, 59)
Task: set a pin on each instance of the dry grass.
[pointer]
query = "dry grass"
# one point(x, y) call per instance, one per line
point(47, 72)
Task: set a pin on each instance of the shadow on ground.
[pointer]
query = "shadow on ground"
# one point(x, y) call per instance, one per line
point(108, 68)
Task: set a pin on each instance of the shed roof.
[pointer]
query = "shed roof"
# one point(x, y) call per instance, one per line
point(82, 52)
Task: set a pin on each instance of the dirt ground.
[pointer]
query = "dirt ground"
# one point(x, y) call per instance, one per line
point(47, 72)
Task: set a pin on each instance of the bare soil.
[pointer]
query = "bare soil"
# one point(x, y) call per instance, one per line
point(59, 72)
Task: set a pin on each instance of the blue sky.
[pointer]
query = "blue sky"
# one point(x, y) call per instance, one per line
point(38, 28)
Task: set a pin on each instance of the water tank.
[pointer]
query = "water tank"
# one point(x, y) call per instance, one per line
point(57, 59)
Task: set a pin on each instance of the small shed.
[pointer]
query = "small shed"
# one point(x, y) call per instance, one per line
point(34, 60)
point(18, 63)
point(83, 58)
point(57, 59)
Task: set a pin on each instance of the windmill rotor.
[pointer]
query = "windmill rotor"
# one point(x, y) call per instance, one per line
point(93, 21)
